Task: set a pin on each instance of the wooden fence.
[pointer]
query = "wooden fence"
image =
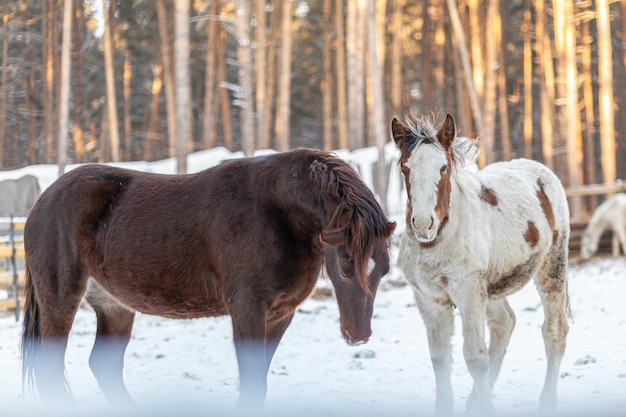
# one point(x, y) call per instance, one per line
point(12, 261)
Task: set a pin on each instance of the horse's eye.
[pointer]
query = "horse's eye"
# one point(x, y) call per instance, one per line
point(444, 168)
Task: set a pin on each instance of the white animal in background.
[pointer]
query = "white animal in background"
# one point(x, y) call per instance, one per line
point(18, 196)
point(610, 215)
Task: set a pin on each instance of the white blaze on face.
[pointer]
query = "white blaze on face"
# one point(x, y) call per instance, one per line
point(428, 166)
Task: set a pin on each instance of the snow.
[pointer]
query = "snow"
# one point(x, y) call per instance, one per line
point(188, 367)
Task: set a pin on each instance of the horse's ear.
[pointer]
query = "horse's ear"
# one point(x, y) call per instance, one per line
point(333, 237)
point(399, 131)
point(447, 132)
point(389, 228)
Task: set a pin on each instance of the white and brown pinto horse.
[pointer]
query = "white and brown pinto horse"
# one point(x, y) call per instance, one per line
point(472, 238)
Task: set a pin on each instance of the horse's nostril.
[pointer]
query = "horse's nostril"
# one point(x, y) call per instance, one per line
point(432, 221)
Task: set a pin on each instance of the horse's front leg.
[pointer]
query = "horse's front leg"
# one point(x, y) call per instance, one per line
point(248, 319)
point(472, 304)
point(438, 317)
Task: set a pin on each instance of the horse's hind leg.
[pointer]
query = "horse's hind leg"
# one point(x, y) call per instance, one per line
point(501, 322)
point(115, 323)
point(552, 286)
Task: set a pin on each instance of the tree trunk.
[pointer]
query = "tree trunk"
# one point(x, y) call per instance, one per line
point(476, 28)
point(227, 126)
point(48, 49)
point(127, 78)
point(242, 29)
point(378, 116)
point(209, 122)
point(490, 85)
point(284, 90)
point(109, 70)
point(569, 119)
point(152, 141)
point(528, 83)
point(261, 65)
point(64, 94)
point(467, 70)
point(79, 37)
point(4, 88)
point(327, 81)
point(396, 60)
point(588, 98)
point(342, 109)
point(183, 86)
point(545, 71)
point(355, 67)
point(605, 93)
point(505, 137)
point(168, 76)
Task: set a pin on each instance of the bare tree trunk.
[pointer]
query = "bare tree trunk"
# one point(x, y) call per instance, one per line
point(284, 91)
point(490, 86)
point(3, 83)
point(209, 123)
point(569, 119)
point(111, 101)
point(30, 88)
point(169, 77)
point(502, 90)
point(381, 133)
point(270, 104)
point(477, 26)
point(588, 98)
point(64, 94)
point(342, 109)
point(183, 86)
point(48, 79)
point(127, 78)
point(440, 47)
point(545, 71)
point(261, 65)
point(242, 29)
point(467, 71)
point(153, 135)
point(355, 65)
point(605, 99)
point(396, 59)
point(79, 37)
point(227, 127)
point(528, 83)
point(327, 83)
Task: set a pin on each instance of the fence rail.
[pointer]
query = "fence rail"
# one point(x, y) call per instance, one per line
point(12, 258)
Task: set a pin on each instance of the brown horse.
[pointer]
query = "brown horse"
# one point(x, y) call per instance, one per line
point(246, 238)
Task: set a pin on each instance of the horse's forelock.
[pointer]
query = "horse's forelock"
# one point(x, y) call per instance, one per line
point(356, 206)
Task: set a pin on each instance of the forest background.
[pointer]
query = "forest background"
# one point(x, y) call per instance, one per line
point(121, 80)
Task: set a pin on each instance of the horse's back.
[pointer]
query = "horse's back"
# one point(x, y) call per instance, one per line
point(523, 179)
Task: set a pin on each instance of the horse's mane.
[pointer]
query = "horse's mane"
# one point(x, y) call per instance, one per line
point(365, 220)
point(424, 129)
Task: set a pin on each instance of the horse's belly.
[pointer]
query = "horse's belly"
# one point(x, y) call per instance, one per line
point(168, 297)
point(178, 308)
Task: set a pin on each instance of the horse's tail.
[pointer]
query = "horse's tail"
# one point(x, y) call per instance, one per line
point(31, 334)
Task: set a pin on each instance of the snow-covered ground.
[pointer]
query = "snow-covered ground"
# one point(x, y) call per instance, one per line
point(189, 367)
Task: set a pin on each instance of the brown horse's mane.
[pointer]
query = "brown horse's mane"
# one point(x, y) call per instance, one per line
point(356, 205)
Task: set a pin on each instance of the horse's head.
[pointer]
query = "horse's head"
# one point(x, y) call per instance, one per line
point(355, 297)
point(355, 231)
point(426, 161)
point(588, 246)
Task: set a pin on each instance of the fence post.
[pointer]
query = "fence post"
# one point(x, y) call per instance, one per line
point(16, 290)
